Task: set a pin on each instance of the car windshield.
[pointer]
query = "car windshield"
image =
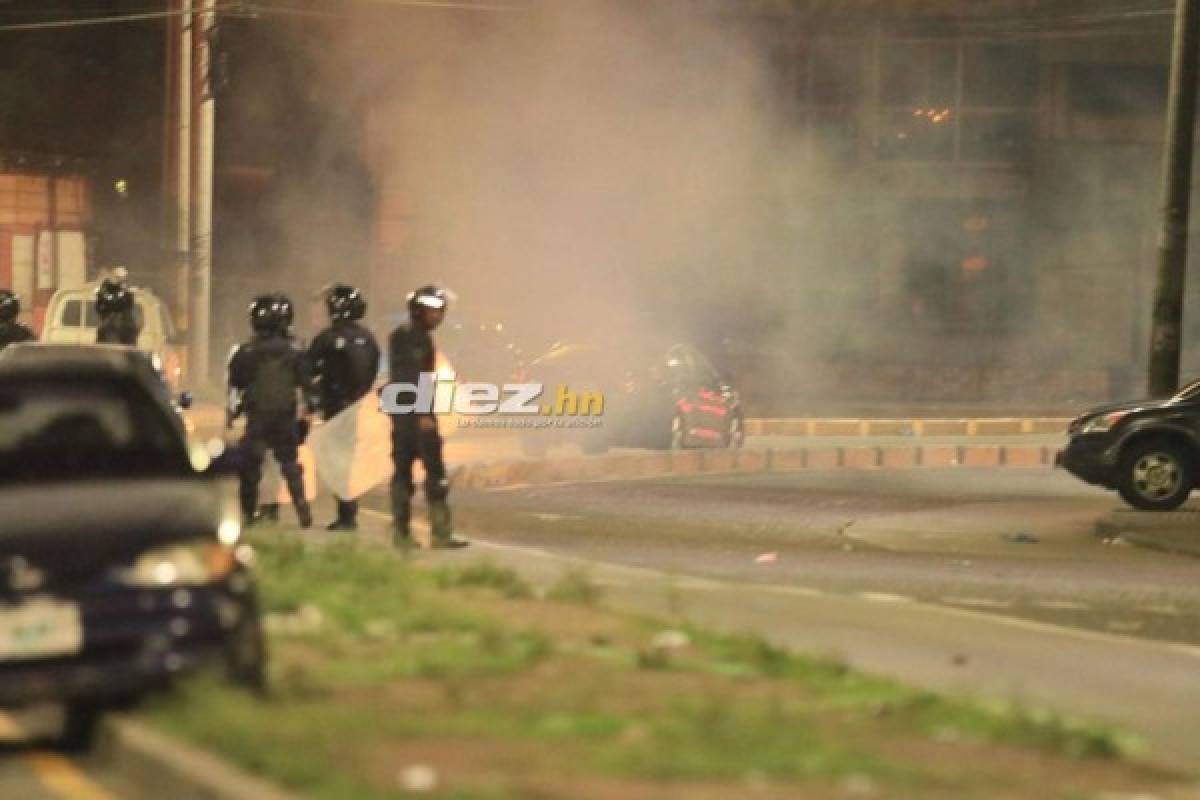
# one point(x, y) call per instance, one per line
point(54, 429)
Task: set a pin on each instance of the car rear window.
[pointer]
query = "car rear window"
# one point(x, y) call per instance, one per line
point(54, 429)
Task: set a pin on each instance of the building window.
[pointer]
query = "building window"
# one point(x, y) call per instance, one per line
point(820, 85)
point(1117, 90)
point(957, 101)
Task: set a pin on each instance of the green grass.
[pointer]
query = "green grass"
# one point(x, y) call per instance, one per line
point(405, 656)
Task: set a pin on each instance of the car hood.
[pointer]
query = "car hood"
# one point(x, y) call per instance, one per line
point(1138, 405)
point(75, 529)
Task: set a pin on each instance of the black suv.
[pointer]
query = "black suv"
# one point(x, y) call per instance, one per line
point(1148, 451)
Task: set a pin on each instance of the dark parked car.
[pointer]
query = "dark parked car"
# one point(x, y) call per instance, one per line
point(1148, 451)
point(120, 564)
point(668, 397)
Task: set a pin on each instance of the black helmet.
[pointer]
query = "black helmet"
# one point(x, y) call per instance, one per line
point(10, 306)
point(428, 297)
point(113, 297)
point(345, 303)
point(271, 313)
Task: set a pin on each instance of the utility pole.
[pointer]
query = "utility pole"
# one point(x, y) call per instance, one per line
point(202, 203)
point(183, 165)
point(1167, 325)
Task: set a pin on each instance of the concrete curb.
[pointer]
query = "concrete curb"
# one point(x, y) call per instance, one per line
point(166, 768)
point(1169, 531)
point(619, 466)
point(988, 426)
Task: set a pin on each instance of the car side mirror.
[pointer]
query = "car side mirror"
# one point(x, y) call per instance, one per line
point(185, 400)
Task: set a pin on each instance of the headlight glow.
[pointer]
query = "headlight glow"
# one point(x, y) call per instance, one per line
point(179, 565)
point(1104, 422)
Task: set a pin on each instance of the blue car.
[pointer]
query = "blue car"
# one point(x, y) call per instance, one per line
point(121, 564)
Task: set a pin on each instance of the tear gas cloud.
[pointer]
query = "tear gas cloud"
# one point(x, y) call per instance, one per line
point(620, 171)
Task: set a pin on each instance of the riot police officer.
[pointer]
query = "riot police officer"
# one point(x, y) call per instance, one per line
point(345, 361)
point(11, 331)
point(118, 323)
point(411, 352)
point(265, 375)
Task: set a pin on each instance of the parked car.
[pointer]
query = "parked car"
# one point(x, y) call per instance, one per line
point(668, 397)
point(71, 319)
point(1149, 451)
point(120, 562)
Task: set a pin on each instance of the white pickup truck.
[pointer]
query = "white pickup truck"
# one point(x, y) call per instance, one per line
point(71, 319)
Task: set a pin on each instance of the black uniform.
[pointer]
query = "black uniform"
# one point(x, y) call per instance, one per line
point(14, 332)
point(264, 375)
point(119, 327)
point(411, 352)
point(345, 362)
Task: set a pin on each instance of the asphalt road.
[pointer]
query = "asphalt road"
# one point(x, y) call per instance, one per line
point(1019, 542)
point(31, 770)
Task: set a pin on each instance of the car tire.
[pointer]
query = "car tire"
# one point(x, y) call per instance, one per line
point(735, 435)
point(81, 719)
point(1156, 475)
point(246, 655)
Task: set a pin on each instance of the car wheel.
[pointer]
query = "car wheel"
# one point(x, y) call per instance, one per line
point(81, 718)
point(735, 435)
point(678, 433)
point(1156, 475)
point(246, 655)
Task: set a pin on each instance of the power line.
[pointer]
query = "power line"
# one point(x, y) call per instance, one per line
point(82, 22)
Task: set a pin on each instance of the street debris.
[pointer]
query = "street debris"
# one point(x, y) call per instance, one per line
point(767, 558)
point(306, 619)
point(418, 778)
point(671, 640)
point(1021, 538)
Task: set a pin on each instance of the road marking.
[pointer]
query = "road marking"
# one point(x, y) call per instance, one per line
point(799, 591)
point(884, 597)
point(1061, 605)
point(10, 731)
point(63, 778)
point(1170, 611)
point(57, 773)
point(976, 602)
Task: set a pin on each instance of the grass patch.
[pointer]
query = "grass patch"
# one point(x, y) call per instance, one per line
point(507, 695)
point(575, 586)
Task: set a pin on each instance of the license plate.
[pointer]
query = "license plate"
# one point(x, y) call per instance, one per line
point(40, 628)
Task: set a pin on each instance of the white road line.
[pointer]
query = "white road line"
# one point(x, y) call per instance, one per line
point(1061, 605)
point(885, 597)
point(1170, 611)
point(975, 602)
point(798, 591)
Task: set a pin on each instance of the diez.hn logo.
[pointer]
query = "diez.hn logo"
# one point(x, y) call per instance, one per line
point(432, 396)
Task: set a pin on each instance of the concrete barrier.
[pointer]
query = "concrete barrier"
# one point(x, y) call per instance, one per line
point(981, 426)
point(634, 465)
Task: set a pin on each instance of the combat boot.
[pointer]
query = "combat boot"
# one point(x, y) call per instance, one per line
point(442, 525)
point(401, 514)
